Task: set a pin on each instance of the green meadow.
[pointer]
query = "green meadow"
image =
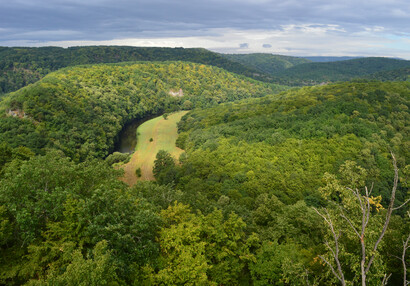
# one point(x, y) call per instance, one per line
point(153, 135)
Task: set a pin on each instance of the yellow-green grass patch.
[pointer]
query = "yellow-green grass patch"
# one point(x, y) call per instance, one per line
point(164, 134)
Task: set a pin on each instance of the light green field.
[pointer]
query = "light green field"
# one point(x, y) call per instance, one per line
point(164, 133)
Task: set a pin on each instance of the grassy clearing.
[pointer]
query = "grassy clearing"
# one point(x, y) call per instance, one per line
point(163, 133)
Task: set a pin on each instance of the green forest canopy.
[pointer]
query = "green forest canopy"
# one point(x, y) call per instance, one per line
point(239, 207)
point(80, 110)
point(316, 73)
point(237, 211)
point(22, 66)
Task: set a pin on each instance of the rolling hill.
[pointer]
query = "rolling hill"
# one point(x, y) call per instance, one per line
point(402, 74)
point(316, 73)
point(22, 66)
point(288, 142)
point(81, 109)
point(266, 63)
point(323, 59)
point(241, 205)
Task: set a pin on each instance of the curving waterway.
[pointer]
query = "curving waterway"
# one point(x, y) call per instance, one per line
point(127, 138)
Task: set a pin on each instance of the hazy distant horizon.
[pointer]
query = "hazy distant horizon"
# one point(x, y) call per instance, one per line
point(222, 52)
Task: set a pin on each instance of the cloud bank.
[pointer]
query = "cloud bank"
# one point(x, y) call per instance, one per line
point(295, 27)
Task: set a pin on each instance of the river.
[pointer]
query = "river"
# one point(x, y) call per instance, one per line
point(127, 138)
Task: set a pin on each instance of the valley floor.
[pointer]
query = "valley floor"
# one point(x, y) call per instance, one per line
point(163, 133)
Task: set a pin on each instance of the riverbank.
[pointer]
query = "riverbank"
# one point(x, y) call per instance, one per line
point(163, 133)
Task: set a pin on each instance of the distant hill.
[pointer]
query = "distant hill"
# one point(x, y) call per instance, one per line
point(316, 73)
point(266, 63)
point(323, 59)
point(22, 66)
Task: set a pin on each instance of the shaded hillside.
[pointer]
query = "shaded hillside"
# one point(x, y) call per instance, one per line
point(402, 74)
point(22, 66)
point(323, 59)
point(266, 63)
point(316, 73)
point(81, 109)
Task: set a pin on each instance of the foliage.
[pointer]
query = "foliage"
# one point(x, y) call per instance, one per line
point(401, 74)
point(238, 207)
point(80, 110)
point(97, 269)
point(199, 249)
point(280, 264)
point(138, 172)
point(164, 168)
point(54, 209)
point(316, 73)
point(117, 157)
point(266, 63)
point(22, 66)
point(286, 144)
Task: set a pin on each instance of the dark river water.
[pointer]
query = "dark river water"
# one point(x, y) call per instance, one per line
point(127, 138)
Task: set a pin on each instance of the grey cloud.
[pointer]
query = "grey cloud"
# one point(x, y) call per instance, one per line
point(128, 16)
point(267, 46)
point(244, 46)
point(98, 20)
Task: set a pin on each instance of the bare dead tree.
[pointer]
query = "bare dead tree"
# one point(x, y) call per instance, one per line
point(406, 245)
point(365, 208)
point(403, 261)
point(335, 253)
point(385, 279)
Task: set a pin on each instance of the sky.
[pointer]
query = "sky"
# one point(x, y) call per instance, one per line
point(288, 27)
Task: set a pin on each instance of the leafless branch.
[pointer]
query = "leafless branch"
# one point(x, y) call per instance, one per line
point(350, 223)
point(403, 260)
point(385, 279)
point(396, 208)
point(333, 270)
point(371, 190)
point(335, 253)
point(389, 212)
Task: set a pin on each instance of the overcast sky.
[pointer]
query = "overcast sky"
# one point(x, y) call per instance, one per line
point(293, 27)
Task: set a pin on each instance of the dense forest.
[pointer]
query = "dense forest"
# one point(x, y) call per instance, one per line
point(80, 110)
point(317, 129)
point(317, 73)
point(402, 74)
point(324, 59)
point(276, 186)
point(22, 66)
point(266, 63)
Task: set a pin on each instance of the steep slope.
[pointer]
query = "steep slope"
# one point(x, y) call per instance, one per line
point(81, 109)
point(283, 145)
point(316, 73)
point(323, 59)
point(402, 74)
point(266, 63)
point(22, 66)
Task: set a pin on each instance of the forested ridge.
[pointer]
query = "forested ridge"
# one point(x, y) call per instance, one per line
point(317, 73)
point(80, 110)
point(20, 66)
point(402, 74)
point(248, 203)
point(316, 129)
point(267, 63)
